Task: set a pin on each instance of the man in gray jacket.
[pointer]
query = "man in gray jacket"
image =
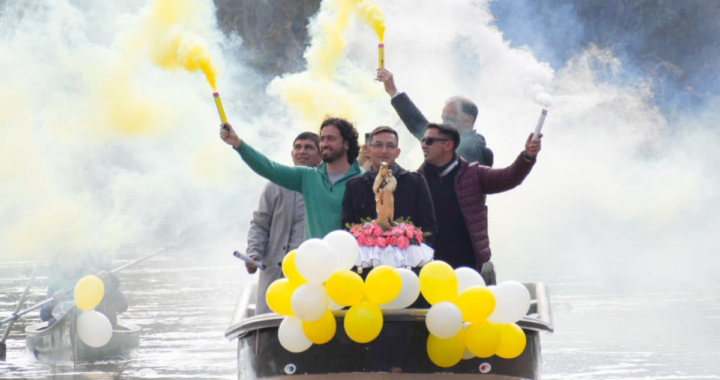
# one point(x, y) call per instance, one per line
point(278, 225)
point(458, 112)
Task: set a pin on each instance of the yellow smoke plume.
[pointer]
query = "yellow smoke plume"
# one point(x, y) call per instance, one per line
point(324, 89)
point(370, 12)
point(171, 42)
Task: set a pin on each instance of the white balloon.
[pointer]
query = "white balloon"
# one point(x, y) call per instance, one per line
point(444, 320)
point(408, 293)
point(291, 335)
point(94, 328)
point(468, 277)
point(309, 302)
point(512, 301)
point(315, 260)
point(345, 247)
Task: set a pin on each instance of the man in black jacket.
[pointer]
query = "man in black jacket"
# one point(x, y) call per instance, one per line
point(412, 196)
point(458, 112)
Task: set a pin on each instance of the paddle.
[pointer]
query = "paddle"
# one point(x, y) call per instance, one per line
point(3, 346)
point(17, 314)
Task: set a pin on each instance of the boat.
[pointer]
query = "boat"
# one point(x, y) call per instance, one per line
point(58, 343)
point(399, 350)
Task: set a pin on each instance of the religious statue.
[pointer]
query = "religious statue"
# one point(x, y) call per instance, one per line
point(384, 187)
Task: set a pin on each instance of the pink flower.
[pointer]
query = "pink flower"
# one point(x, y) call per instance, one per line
point(381, 242)
point(403, 242)
point(419, 238)
point(377, 231)
point(371, 241)
point(393, 241)
point(368, 232)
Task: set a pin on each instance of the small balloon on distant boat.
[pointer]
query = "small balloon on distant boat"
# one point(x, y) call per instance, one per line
point(89, 292)
point(94, 328)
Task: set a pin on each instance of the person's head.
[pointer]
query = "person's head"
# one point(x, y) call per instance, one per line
point(383, 147)
point(338, 139)
point(306, 150)
point(460, 113)
point(439, 143)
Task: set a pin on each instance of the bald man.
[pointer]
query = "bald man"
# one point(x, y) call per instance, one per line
point(458, 112)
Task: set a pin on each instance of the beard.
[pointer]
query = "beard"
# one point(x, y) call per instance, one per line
point(331, 156)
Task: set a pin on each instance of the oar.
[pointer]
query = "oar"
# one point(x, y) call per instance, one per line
point(3, 346)
point(17, 314)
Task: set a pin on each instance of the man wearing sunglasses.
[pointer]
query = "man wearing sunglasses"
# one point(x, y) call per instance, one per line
point(412, 197)
point(458, 112)
point(458, 191)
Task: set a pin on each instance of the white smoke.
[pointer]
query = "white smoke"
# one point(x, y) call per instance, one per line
point(616, 187)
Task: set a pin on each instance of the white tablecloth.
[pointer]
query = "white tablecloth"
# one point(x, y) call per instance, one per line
point(412, 256)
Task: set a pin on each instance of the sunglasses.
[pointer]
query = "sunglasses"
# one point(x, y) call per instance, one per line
point(430, 140)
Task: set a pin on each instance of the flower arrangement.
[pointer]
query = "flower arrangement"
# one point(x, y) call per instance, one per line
point(401, 233)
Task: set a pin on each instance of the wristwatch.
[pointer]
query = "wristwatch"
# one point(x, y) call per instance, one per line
point(527, 156)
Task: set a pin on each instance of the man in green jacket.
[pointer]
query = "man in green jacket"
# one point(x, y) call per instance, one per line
point(322, 187)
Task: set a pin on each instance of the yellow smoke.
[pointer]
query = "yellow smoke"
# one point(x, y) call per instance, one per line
point(324, 89)
point(171, 44)
point(370, 12)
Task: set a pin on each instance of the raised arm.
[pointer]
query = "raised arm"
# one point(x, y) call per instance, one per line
point(499, 180)
point(289, 177)
point(410, 115)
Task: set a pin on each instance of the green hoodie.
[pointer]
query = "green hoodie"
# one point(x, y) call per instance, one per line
point(323, 200)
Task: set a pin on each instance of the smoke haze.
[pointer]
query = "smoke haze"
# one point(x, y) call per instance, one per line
point(100, 147)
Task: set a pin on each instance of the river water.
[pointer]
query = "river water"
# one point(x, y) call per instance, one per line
point(184, 301)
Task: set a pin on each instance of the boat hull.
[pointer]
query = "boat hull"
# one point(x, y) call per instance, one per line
point(400, 350)
point(58, 344)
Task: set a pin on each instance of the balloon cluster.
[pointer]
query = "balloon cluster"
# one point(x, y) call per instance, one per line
point(318, 280)
point(93, 328)
point(468, 319)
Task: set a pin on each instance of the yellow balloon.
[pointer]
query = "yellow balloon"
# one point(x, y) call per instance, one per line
point(89, 292)
point(322, 330)
point(438, 282)
point(363, 322)
point(383, 284)
point(290, 271)
point(482, 339)
point(476, 303)
point(279, 296)
point(345, 287)
point(446, 353)
point(512, 341)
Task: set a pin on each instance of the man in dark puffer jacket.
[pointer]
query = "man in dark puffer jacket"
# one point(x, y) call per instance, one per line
point(458, 191)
